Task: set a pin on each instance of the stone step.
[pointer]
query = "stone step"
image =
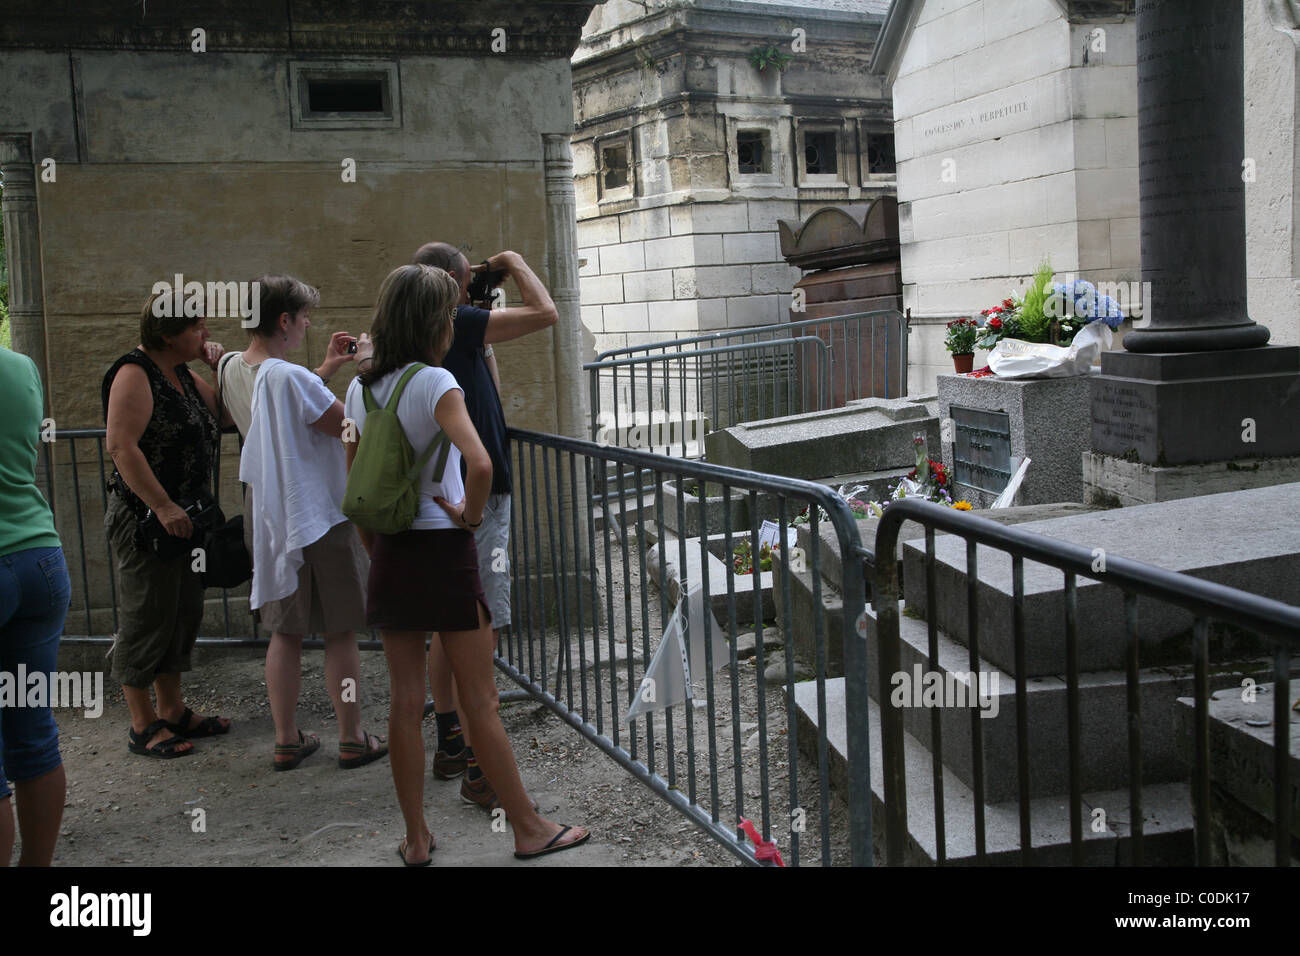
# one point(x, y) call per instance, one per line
point(1103, 716)
point(803, 622)
point(1242, 810)
point(1222, 538)
point(1167, 816)
point(804, 614)
point(717, 576)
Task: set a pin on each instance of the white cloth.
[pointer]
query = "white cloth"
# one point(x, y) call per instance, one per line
point(298, 475)
point(415, 412)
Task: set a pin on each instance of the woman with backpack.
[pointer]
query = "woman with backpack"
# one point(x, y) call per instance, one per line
point(425, 578)
point(309, 570)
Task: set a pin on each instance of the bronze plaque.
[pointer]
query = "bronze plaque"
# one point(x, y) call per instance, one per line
point(982, 448)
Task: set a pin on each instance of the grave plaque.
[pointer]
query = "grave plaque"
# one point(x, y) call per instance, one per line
point(982, 452)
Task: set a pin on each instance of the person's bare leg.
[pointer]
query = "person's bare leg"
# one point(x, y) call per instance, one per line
point(140, 705)
point(470, 653)
point(283, 684)
point(343, 663)
point(404, 651)
point(6, 831)
point(40, 811)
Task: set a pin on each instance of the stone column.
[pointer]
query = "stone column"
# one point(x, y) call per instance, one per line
point(571, 402)
point(1191, 144)
point(562, 266)
point(1196, 384)
point(22, 230)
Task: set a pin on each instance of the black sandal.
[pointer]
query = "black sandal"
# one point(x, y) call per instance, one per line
point(304, 748)
point(208, 726)
point(362, 753)
point(164, 749)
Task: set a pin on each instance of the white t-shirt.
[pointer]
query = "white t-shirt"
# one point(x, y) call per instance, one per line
point(415, 412)
point(237, 379)
point(298, 475)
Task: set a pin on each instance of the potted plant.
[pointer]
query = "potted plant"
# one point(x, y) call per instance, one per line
point(960, 341)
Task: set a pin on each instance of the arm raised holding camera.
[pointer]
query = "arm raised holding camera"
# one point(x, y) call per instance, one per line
point(537, 311)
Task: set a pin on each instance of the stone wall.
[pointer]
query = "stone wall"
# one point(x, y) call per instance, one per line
point(199, 172)
point(1273, 199)
point(1016, 139)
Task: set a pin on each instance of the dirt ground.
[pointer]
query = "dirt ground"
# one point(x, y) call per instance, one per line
point(124, 809)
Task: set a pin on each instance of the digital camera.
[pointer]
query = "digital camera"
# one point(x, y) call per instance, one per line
point(481, 286)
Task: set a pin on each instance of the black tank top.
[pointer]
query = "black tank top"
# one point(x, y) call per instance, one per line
point(180, 441)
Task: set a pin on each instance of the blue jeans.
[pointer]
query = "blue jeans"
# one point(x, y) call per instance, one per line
point(34, 595)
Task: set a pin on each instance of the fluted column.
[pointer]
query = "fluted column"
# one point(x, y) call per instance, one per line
point(22, 230)
point(562, 265)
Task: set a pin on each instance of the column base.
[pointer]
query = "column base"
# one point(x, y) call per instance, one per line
point(1185, 408)
point(1114, 482)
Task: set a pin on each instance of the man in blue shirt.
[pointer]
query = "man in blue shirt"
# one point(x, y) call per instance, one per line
point(472, 362)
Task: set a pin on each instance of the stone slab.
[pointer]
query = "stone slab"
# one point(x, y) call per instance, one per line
point(1049, 424)
point(1109, 481)
point(1167, 823)
point(1187, 408)
point(1242, 752)
point(869, 434)
point(1103, 717)
point(1244, 539)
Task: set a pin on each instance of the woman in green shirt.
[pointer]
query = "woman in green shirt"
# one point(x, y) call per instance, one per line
point(34, 596)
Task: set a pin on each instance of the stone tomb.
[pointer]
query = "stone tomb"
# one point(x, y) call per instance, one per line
point(1045, 419)
point(868, 435)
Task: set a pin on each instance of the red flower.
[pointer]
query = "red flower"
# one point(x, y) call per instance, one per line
point(1008, 304)
point(995, 323)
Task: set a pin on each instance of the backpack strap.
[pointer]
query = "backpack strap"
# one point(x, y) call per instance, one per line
point(442, 444)
point(391, 404)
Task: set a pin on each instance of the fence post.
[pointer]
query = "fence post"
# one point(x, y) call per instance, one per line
point(884, 596)
point(856, 710)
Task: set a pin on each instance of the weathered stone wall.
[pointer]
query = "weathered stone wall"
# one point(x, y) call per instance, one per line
point(198, 172)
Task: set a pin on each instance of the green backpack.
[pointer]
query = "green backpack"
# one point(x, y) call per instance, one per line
point(382, 494)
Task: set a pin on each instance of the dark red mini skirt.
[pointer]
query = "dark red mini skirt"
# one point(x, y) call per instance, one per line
point(424, 581)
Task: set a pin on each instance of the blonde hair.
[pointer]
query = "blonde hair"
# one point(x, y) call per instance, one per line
point(413, 319)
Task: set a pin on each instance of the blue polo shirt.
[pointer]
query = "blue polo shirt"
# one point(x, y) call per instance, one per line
point(465, 361)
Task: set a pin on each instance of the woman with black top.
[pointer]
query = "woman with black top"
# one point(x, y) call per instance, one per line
point(162, 435)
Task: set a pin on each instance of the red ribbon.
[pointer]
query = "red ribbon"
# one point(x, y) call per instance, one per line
point(765, 851)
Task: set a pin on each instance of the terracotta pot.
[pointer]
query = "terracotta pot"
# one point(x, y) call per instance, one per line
point(963, 363)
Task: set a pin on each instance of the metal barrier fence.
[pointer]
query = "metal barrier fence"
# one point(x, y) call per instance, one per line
point(587, 624)
point(1278, 622)
point(676, 386)
point(719, 386)
point(94, 585)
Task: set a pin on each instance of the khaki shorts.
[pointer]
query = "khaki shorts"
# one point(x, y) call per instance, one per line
point(331, 595)
point(493, 543)
point(160, 605)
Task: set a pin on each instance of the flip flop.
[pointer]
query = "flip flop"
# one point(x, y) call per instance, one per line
point(552, 848)
point(208, 726)
point(304, 748)
point(163, 750)
point(367, 754)
point(401, 851)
